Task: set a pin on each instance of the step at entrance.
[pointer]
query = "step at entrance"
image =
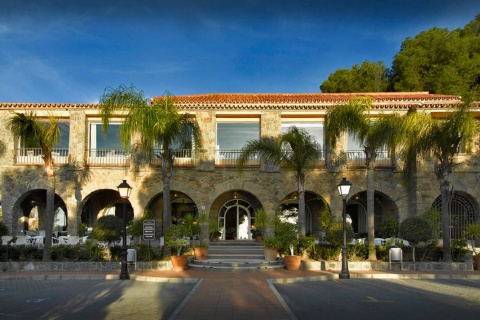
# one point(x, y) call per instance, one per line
point(236, 255)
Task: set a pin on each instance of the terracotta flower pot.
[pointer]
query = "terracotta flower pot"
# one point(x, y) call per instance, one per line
point(179, 262)
point(293, 262)
point(270, 253)
point(200, 253)
point(259, 239)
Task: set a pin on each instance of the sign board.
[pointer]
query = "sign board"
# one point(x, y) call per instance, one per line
point(148, 229)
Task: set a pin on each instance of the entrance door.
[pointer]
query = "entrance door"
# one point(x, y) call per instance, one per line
point(235, 220)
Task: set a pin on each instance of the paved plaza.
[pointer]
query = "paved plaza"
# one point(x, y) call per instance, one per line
point(282, 294)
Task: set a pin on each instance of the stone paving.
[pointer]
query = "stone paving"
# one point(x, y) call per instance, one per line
point(230, 295)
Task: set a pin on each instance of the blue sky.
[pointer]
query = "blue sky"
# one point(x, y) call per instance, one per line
point(68, 51)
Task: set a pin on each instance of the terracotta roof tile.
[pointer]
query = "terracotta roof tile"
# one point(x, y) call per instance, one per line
point(281, 101)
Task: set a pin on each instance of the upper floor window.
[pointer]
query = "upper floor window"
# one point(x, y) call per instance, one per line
point(32, 153)
point(106, 149)
point(101, 140)
point(315, 129)
point(232, 135)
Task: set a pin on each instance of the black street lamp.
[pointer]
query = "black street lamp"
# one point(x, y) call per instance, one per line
point(124, 190)
point(344, 190)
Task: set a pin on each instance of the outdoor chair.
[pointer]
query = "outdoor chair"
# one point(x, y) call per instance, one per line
point(5, 240)
point(73, 240)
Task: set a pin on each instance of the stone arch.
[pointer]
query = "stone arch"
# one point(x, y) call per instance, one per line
point(384, 208)
point(314, 206)
point(463, 209)
point(102, 202)
point(29, 212)
point(232, 209)
point(180, 204)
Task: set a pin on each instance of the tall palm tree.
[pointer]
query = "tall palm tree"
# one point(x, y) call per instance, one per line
point(156, 123)
point(375, 134)
point(45, 134)
point(294, 149)
point(442, 139)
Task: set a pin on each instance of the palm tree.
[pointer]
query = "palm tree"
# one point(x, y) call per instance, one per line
point(442, 139)
point(354, 118)
point(33, 132)
point(156, 123)
point(294, 149)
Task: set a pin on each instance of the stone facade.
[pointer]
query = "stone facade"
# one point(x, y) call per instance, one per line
point(206, 185)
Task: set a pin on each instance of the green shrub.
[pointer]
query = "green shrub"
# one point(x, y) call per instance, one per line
point(326, 252)
point(94, 250)
point(334, 233)
point(108, 229)
point(357, 252)
point(415, 230)
point(59, 252)
point(389, 228)
point(458, 248)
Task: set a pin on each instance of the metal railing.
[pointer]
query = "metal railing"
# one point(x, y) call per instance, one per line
point(229, 158)
point(108, 157)
point(357, 159)
point(34, 156)
point(182, 157)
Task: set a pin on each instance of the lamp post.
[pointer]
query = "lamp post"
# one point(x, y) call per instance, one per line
point(124, 190)
point(344, 190)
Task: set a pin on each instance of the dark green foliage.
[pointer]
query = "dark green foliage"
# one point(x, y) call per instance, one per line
point(369, 77)
point(286, 234)
point(20, 253)
point(135, 227)
point(3, 229)
point(357, 252)
point(415, 230)
point(389, 228)
point(334, 233)
point(107, 229)
point(94, 251)
point(147, 253)
point(458, 247)
point(434, 218)
point(439, 61)
point(82, 230)
point(326, 252)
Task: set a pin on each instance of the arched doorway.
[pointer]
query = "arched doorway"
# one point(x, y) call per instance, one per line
point(180, 205)
point(104, 202)
point(384, 209)
point(314, 205)
point(33, 207)
point(461, 213)
point(235, 220)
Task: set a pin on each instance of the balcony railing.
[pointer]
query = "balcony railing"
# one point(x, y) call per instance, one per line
point(357, 159)
point(108, 157)
point(182, 157)
point(34, 156)
point(229, 158)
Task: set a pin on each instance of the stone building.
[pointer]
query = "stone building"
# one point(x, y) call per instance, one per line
point(90, 165)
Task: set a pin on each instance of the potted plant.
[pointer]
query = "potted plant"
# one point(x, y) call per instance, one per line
point(472, 232)
point(287, 233)
point(270, 248)
point(191, 227)
point(261, 223)
point(213, 230)
point(201, 249)
point(257, 235)
point(176, 239)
